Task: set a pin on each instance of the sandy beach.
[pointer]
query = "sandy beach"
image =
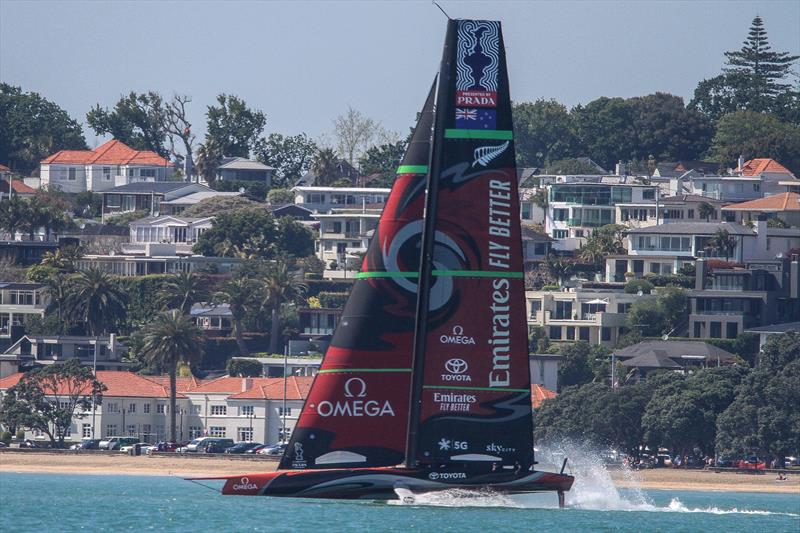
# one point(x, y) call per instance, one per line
point(194, 466)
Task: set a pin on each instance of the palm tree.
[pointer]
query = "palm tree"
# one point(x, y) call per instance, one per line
point(559, 268)
point(182, 291)
point(281, 285)
point(326, 166)
point(13, 214)
point(95, 298)
point(723, 243)
point(58, 288)
point(207, 160)
point(63, 259)
point(239, 293)
point(706, 210)
point(172, 338)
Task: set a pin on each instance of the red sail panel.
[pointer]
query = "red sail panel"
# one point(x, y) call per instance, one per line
point(475, 397)
point(357, 410)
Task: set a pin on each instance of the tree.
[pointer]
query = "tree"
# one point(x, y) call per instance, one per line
point(244, 368)
point(96, 300)
point(47, 210)
point(646, 317)
point(281, 285)
point(33, 128)
point(182, 291)
point(239, 294)
point(280, 197)
point(177, 125)
point(576, 364)
point(13, 214)
point(674, 302)
point(88, 204)
point(171, 338)
point(605, 130)
point(543, 131)
point(48, 398)
point(290, 155)
point(217, 205)
point(137, 120)
point(327, 167)
point(706, 210)
point(381, 162)
point(602, 242)
point(559, 267)
point(209, 157)
point(355, 133)
point(722, 243)
point(244, 232)
point(755, 134)
point(293, 239)
point(233, 127)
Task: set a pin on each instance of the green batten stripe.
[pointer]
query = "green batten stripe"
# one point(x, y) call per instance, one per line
point(456, 387)
point(476, 274)
point(383, 274)
point(412, 169)
point(479, 134)
point(351, 370)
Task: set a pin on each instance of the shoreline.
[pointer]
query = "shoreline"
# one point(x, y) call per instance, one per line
point(203, 466)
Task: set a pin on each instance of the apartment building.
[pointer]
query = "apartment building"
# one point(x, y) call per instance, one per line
point(727, 301)
point(18, 300)
point(784, 206)
point(323, 199)
point(104, 353)
point(344, 234)
point(183, 232)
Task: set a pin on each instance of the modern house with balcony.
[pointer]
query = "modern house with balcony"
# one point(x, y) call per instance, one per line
point(784, 206)
point(147, 196)
point(686, 208)
point(213, 319)
point(727, 301)
point(344, 234)
point(18, 300)
point(183, 232)
point(242, 169)
point(575, 209)
point(318, 323)
point(109, 165)
point(40, 350)
point(324, 199)
point(157, 258)
point(593, 315)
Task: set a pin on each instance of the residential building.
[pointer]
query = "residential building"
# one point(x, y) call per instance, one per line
point(539, 394)
point(176, 206)
point(11, 187)
point(28, 253)
point(147, 196)
point(212, 318)
point(98, 238)
point(675, 169)
point(784, 206)
point(686, 239)
point(273, 367)
point(318, 322)
point(597, 315)
point(765, 332)
point(18, 300)
point(107, 166)
point(183, 232)
point(323, 199)
point(39, 350)
point(686, 208)
point(157, 258)
point(767, 168)
point(729, 300)
point(679, 356)
point(575, 209)
point(242, 169)
point(724, 188)
point(535, 245)
point(344, 234)
point(544, 370)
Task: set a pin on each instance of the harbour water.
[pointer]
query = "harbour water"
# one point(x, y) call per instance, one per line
point(61, 502)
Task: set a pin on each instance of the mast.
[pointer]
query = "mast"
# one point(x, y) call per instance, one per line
point(426, 253)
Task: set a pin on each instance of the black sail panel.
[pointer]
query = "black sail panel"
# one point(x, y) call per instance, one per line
point(357, 409)
point(474, 396)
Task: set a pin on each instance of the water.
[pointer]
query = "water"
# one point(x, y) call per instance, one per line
point(60, 502)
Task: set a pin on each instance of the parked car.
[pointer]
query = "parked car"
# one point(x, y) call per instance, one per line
point(86, 444)
point(242, 447)
point(163, 447)
point(214, 445)
point(725, 462)
point(192, 446)
point(791, 462)
point(128, 447)
point(275, 449)
point(752, 463)
point(257, 449)
point(115, 443)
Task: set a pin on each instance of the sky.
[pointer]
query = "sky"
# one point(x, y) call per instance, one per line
point(304, 62)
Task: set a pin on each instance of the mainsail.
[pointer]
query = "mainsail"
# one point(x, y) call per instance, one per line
point(471, 383)
point(357, 409)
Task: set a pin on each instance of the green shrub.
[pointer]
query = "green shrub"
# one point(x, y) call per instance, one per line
point(662, 280)
point(20, 434)
point(332, 300)
point(5, 437)
point(636, 285)
point(244, 368)
point(550, 287)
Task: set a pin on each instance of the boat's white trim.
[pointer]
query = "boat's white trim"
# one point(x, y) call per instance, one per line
point(474, 457)
point(340, 456)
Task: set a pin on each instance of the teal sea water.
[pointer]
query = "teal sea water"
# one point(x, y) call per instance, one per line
point(55, 502)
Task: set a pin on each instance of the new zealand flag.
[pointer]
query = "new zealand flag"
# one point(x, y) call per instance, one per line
point(476, 119)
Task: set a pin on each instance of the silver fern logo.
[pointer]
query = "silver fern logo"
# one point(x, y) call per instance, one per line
point(486, 154)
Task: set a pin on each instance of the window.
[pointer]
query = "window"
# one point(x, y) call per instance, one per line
point(560, 234)
point(555, 333)
point(536, 306)
point(623, 307)
point(112, 407)
point(246, 410)
point(288, 411)
point(697, 330)
point(107, 173)
point(605, 334)
point(67, 431)
point(216, 431)
point(570, 333)
point(72, 173)
point(690, 213)
point(195, 432)
point(111, 430)
point(86, 430)
point(244, 434)
point(196, 409)
point(583, 332)
point(731, 330)
point(161, 408)
point(131, 430)
point(649, 194)
point(560, 214)
point(131, 407)
point(579, 233)
point(63, 404)
point(147, 172)
point(526, 211)
point(563, 310)
point(219, 410)
point(337, 227)
point(146, 408)
point(716, 330)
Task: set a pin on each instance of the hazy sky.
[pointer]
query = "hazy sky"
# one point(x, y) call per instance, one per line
point(303, 63)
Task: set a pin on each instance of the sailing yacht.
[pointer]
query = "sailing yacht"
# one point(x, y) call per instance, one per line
point(425, 385)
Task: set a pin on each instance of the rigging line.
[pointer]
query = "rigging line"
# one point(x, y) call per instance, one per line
point(209, 487)
point(440, 9)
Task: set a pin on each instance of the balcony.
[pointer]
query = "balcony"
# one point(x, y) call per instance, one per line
point(587, 223)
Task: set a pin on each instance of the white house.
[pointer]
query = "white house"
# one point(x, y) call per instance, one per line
point(323, 199)
point(183, 232)
point(109, 165)
point(18, 300)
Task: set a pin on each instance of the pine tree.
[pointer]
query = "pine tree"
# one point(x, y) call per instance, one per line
point(757, 63)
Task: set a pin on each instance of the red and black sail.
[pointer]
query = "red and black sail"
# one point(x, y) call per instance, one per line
point(357, 410)
point(471, 383)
